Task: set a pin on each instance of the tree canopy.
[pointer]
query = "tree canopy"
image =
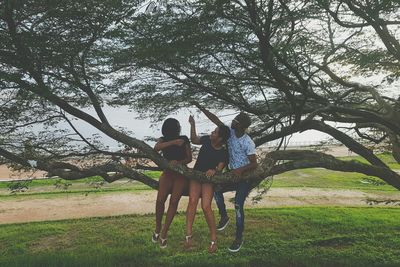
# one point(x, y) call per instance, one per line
point(292, 65)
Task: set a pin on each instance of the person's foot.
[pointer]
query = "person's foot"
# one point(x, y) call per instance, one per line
point(188, 242)
point(236, 245)
point(213, 247)
point(155, 237)
point(163, 242)
point(223, 223)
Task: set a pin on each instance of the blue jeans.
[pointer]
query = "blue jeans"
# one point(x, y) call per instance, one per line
point(242, 191)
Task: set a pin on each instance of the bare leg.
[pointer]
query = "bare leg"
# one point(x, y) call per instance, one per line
point(207, 192)
point(194, 195)
point(177, 190)
point(165, 185)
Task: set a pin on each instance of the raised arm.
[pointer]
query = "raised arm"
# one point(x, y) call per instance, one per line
point(208, 114)
point(193, 135)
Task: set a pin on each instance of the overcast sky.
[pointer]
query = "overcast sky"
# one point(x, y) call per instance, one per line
point(142, 128)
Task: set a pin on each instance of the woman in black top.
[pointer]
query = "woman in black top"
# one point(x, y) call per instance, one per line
point(176, 149)
point(212, 157)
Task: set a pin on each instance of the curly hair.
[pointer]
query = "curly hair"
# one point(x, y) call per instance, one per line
point(244, 120)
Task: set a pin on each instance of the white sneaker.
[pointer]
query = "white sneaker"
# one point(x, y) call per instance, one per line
point(155, 237)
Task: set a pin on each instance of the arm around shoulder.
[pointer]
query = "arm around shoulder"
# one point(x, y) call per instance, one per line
point(160, 145)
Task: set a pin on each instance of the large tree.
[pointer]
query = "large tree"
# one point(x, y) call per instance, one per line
point(293, 65)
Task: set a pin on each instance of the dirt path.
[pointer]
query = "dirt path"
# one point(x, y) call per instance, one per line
point(69, 207)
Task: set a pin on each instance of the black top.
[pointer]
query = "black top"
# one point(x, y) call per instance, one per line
point(209, 157)
point(175, 152)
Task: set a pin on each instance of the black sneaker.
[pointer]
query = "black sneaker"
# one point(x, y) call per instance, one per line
point(236, 245)
point(223, 223)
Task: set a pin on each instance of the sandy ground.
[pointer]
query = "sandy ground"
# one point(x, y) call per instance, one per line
point(94, 205)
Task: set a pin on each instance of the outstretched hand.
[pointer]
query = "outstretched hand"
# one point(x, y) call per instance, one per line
point(195, 103)
point(191, 120)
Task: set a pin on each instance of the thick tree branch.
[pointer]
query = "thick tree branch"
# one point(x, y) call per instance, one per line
point(302, 159)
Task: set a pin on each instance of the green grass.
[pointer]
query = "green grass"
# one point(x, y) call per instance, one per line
point(52, 192)
point(310, 236)
point(385, 157)
point(52, 181)
point(322, 178)
point(47, 188)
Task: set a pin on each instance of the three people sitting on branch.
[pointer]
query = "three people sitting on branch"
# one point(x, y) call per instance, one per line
point(225, 146)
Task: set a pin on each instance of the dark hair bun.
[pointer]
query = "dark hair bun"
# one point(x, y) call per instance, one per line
point(171, 128)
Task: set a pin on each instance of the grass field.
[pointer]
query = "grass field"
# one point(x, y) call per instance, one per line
point(56, 186)
point(290, 236)
point(323, 178)
point(309, 236)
